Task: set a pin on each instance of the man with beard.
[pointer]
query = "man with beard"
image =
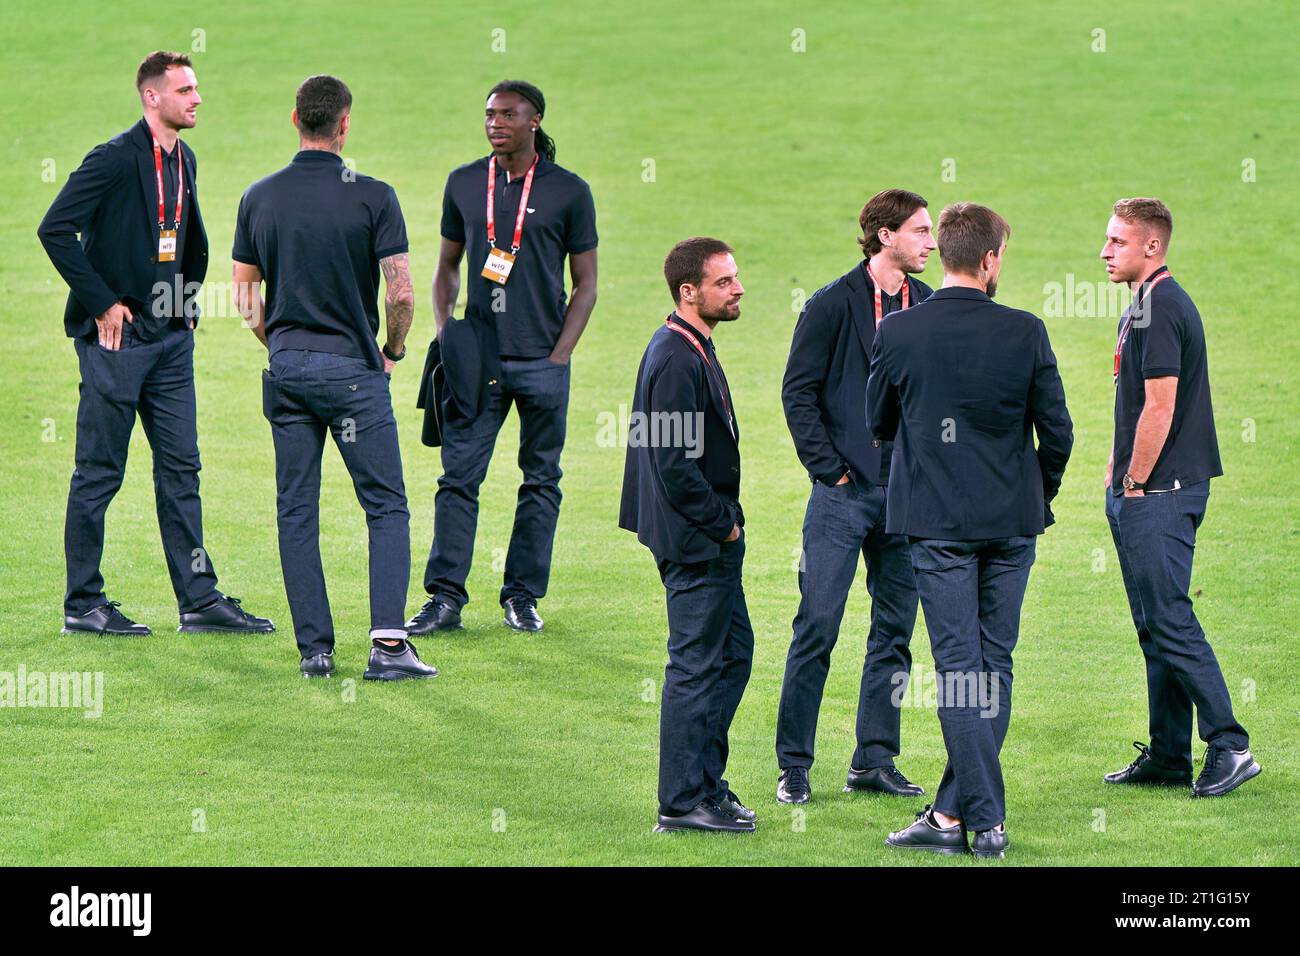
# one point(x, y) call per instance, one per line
point(825, 379)
point(681, 495)
point(1157, 484)
point(131, 314)
point(964, 383)
point(515, 199)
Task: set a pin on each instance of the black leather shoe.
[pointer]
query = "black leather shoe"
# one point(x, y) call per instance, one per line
point(436, 615)
point(792, 786)
point(990, 844)
point(396, 663)
point(318, 665)
point(105, 619)
point(1145, 770)
point(224, 615)
point(521, 614)
point(1224, 771)
point(882, 780)
point(731, 803)
point(926, 834)
point(707, 816)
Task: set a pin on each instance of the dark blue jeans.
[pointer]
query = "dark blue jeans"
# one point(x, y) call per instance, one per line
point(306, 395)
point(842, 522)
point(539, 388)
point(710, 649)
point(971, 593)
point(1155, 537)
point(155, 379)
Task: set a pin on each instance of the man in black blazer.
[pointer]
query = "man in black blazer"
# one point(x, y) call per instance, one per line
point(964, 383)
point(131, 313)
point(681, 495)
point(825, 380)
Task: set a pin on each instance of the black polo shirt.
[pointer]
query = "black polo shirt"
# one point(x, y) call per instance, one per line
point(166, 300)
point(529, 308)
point(317, 231)
point(1167, 338)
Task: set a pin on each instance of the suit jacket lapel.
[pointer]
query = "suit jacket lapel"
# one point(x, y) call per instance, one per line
point(864, 319)
point(148, 183)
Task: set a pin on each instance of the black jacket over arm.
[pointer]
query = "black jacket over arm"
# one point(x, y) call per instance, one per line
point(964, 383)
point(825, 385)
point(681, 505)
point(111, 201)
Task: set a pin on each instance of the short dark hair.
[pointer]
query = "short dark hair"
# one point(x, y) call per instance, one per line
point(1150, 212)
point(887, 209)
point(156, 65)
point(685, 263)
point(965, 232)
point(322, 101)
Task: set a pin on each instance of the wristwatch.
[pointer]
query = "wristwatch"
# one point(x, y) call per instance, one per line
point(390, 356)
point(1131, 485)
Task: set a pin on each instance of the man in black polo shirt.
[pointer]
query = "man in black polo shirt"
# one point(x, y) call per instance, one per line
point(681, 495)
point(131, 313)
point(319, 234)
point(825, 380)
point(1157, 484)
point(517, 234)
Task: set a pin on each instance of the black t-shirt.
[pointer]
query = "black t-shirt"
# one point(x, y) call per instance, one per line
point(1167, 338)
point(529, 308)
point(317, 230)
point(166, 299)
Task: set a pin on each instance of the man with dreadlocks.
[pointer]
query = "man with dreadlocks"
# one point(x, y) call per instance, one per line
point(518, 215)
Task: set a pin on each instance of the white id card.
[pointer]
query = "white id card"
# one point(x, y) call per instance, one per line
point(167, 245)
point(498, 266)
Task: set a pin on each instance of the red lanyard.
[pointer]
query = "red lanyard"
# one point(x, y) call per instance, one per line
point(704, 355)
point(1133, 309)
point(180, 182)
point(523, 204)
point(875, 282)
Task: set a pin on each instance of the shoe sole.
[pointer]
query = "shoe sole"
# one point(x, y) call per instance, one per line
point(183, 629)
point(794, 803)
point(941, 850)
point(82, 630)
point(883, 793)
point(1148, 783)
point(317, 675)
point(435, 630)
point(986, 855)
point(1250, 773)
point(390, 675)
point(524, 630)
point(660, 828)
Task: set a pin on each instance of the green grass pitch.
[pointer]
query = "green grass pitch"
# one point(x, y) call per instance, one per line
point(768, 127)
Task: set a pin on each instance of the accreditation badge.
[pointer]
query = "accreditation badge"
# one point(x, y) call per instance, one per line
point(167, 245)
point(498, 266)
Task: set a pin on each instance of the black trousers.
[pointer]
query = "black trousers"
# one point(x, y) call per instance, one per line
point(1155, 537)
point(971, 593)
point(539, 388)
point(307, 395)
point(841, 523)
point(156, 380)
point(710, 649)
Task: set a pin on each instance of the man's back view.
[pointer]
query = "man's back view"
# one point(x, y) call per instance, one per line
point(319, 234)
point(965, 383)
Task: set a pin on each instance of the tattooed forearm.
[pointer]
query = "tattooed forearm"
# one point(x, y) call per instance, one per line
point(399, 299)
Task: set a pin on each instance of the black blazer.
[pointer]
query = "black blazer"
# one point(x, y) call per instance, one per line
point(111, 199)
point(825, 385)
point(681, 504)
point(964, 382)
